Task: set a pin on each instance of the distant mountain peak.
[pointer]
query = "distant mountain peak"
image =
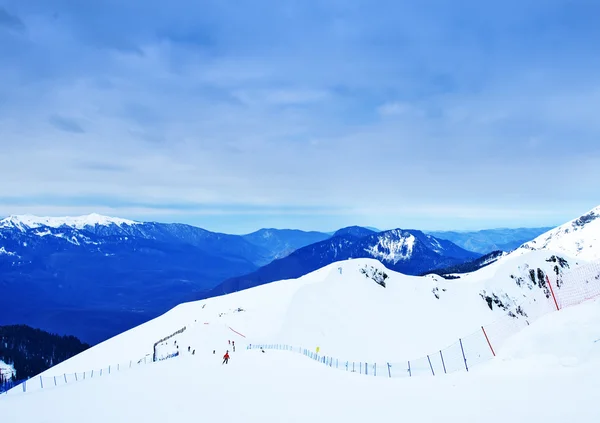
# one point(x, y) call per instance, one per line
point(25, 221)
point(355, 231)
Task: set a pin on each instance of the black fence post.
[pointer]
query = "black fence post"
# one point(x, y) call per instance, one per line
point(443, 364)
point(432, 372)
point(463, 353)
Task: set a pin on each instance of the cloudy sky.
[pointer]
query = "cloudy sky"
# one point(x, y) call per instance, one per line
point(235, 115)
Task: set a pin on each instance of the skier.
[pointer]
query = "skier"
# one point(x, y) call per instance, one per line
point(226, 357)
point(233, 348)
point(229, 342)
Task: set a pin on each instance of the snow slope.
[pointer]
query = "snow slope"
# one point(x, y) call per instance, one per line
point(345, 312)
point(577, 238)
point(550, 372)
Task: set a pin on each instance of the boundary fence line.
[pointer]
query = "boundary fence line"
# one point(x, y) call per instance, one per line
point(45, 382)
point(154, 358)
point(572, 288)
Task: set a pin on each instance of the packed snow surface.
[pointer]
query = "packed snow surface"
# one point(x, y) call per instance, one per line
point(355, 310)
point(549, 372)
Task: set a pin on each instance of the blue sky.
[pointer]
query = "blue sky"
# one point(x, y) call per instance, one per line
point(314, 115)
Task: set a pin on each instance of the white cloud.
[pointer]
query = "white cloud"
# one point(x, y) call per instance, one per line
point(249, 122)
point(395, 109)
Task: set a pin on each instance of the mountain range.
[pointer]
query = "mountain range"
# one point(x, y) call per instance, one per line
point(407, 251)
point(488, 240)
point(356, 316)
point(94, 276)
point(281, 242)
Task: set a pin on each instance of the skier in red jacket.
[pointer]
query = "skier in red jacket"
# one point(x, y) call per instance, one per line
point(226, 357)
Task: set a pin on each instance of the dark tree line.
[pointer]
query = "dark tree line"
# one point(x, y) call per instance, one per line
point(32, 351)
point(467, 267)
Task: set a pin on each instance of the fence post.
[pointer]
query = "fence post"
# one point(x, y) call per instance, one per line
point(41, 382)
point(463, 353)
point(76, 376)
point(409, 372)
point(552, 291)
point(66, 378)
point(488, 341)
point(389, 370)
point(366, 368)
point(375, 369)
point(443, 364)
point(54, 380)
point(130, 364)
point(92, 373)
point(361, 367)
point(108, 369)
point(432, 372)
point(100, 372)
point(119, 367)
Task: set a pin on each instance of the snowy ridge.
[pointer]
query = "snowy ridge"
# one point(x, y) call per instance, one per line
point(577, 238)
point(24, 222)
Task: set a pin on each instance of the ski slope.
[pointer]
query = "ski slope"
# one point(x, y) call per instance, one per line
point(340, 310)
point(549, 372)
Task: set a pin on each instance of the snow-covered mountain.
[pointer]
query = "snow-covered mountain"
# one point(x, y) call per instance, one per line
point(95, 276)
point(361, 311)
point(578, 238)
point(409, 251)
